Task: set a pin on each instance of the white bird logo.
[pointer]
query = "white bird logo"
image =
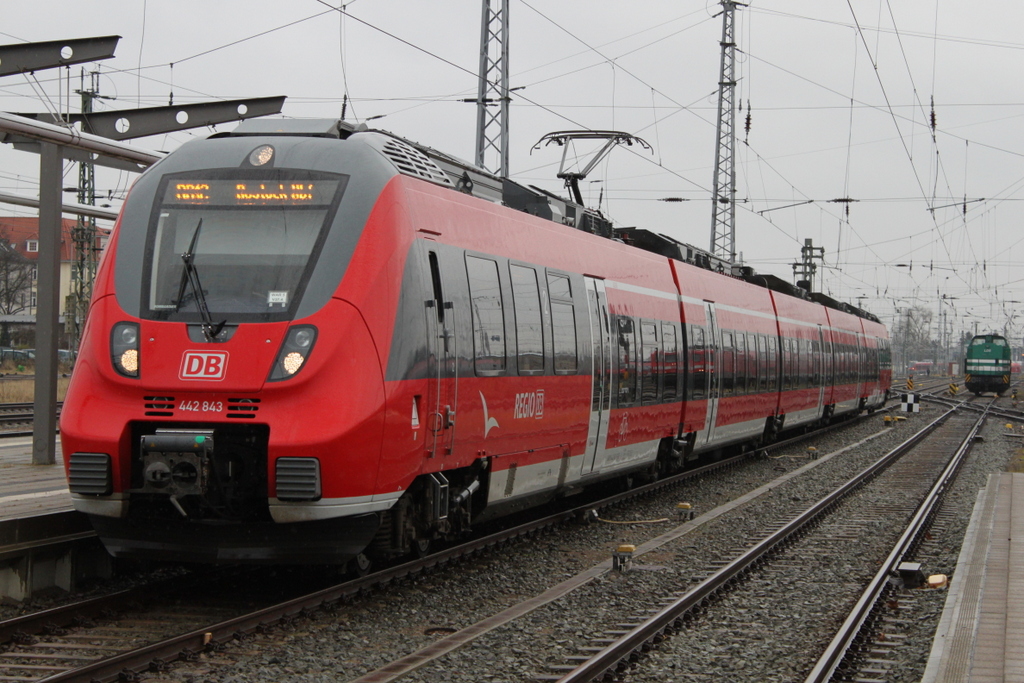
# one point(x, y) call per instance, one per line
point(489, 422)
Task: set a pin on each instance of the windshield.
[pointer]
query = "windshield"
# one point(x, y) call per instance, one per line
point(241, 243)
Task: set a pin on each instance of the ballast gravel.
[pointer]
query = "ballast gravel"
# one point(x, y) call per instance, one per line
point(361, 637)
point(373, 630)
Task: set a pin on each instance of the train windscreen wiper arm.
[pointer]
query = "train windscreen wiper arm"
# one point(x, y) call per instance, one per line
point(190, 276)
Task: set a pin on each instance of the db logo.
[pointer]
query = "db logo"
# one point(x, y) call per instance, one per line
point(208, 365)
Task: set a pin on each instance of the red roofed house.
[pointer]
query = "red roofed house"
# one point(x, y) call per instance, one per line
point(19, 249)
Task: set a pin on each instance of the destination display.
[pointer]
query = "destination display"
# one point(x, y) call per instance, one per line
point(233, 192)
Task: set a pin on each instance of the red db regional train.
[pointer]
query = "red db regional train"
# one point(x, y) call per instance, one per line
point(311, 343)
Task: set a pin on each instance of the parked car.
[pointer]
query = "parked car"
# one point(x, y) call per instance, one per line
point(16, 356)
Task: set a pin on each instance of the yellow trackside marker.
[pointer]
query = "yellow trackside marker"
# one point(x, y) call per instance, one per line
point(622, 558)
point(685, 511)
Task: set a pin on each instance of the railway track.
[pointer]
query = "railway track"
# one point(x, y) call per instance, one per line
point(791, 555)
point(32, 632)
point(15, 416)
point(228, 641)
point(65, 638)
point(862, 618)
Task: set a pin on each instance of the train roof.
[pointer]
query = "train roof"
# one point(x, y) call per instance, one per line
point(414, 159)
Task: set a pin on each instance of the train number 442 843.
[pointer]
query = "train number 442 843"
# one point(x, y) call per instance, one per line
point(202, 406)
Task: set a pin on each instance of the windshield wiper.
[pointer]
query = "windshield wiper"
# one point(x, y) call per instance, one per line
point(190, 276)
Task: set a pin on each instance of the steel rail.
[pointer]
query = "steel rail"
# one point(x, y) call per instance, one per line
point(672, 616)
point(836, 651)
point(159, 655)
point(186, 646)
point(1008, 414)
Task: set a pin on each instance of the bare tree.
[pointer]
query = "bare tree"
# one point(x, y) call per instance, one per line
point(912, 334)
point(15, 285)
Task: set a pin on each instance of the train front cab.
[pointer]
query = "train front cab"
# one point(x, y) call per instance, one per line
point(281, 461)
point(988, 366)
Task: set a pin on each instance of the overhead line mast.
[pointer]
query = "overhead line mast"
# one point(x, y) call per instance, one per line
point(723, 193)
point(85, 235)
point(492, 95)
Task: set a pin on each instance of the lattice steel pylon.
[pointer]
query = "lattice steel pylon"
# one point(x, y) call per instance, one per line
point(492, 95)
point(84, 236)
point(723, 193)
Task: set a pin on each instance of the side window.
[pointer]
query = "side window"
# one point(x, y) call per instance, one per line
point(488, 316)
point(650, 363)
point(816, 369)
point(563, 324)
point(727, 363)
point(762, 362)
point(805, 362)
point(788, 362)
point(752, 372)
point(805, 358)
point(529, 331)
point(626, 358)
point(698, 365)
point(671, 359)
point(741, 363)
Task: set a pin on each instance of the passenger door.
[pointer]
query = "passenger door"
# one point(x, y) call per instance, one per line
point(712, 345)
point(820, 369)
point(601, 368)
point(442, 384)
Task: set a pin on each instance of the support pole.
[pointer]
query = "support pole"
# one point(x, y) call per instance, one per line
point(44, 427)
point(723, 192)
point(492, 95)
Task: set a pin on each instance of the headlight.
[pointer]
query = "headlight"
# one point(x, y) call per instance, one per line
point(124, 349)
point(293, 354)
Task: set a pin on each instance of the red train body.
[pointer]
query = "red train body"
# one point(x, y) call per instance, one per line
point(311, 342)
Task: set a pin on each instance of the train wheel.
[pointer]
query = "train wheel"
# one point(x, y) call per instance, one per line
point(421, 547)
point(360, 565)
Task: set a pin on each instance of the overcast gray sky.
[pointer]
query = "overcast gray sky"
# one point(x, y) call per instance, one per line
point(839, 93)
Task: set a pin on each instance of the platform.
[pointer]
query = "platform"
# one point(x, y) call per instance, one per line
point(44, 542)
point(980, 638)
point(25, 489)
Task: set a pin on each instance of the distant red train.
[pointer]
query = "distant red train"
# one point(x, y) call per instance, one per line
point(310, 343)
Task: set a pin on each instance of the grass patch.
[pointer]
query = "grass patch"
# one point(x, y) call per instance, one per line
point(24, 390)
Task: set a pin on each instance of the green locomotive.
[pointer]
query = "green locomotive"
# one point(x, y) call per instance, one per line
point(988, 364)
